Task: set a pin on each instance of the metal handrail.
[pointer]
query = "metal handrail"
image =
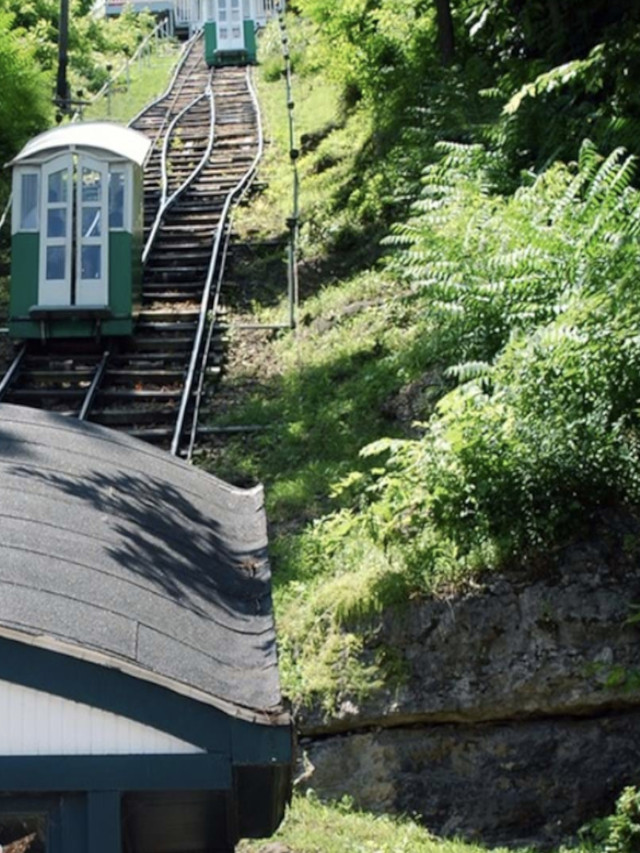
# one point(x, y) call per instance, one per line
point(163, 24)
point(206, 296)
point(186, 53)
point(207, 349)
point(5, 212)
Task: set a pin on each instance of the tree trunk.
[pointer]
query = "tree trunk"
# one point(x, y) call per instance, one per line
point(555, 15)
point(445, 31)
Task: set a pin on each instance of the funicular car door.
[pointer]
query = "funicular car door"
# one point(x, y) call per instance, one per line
point(92, 233)
point(230, 25)
point(56, 232)
point(74, 236)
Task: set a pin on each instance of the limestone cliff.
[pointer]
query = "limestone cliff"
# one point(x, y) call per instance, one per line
point(518, 718)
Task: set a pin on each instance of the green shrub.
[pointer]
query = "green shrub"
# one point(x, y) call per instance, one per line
point(618, 833)
point(537, 293)
point(532, 301)
point(25, 108)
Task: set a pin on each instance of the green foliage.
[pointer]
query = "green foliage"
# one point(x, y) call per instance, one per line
point(25, 108)
point(146, 79)
point(531, 79)
point(618, 833)
point(547, 117)
point(536, 295)
point(532, 299)
point(28, 60)
point(94, 42)
point(299, 43)
point(312, 826)
point(511, 278)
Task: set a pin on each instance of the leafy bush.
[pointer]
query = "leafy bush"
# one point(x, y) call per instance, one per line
point(618, 833)
point(537, 294)
point(25, 108)
point(94, 42)
point(532, 300)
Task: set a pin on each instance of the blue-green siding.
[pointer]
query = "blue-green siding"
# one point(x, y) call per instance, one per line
point(210, 42)
point(124, 290)
point(34, 773)
point(245, 765)
point(250, 40)
point(25, 253)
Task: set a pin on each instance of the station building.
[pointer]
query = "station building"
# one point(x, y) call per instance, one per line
point(140, 707)
point(186, 16)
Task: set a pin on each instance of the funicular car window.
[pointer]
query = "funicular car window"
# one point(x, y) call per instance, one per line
point(116, 199)
point(29, 200)
point(23, 833)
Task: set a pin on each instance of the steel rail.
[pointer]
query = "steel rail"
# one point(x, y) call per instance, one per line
point(206, 297)
point(212, 324)
point(186, 53)
point(166, 203)
point(207, 349)
point(194, 71)
point(102, 366)
point(13, 371)
point(5, 212)
point(187, 50)
point(101, 369)
point(93, 388)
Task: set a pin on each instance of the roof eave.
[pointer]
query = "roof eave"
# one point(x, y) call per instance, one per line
point(272, 717)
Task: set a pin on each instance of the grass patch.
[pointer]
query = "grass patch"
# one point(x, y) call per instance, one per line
point(147, 80)
point(337, 386)
point(335, 376)
point(329, 143)
point(315, 104)
point(315, 827)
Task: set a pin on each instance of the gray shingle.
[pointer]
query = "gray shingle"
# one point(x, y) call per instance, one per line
point(112, 545)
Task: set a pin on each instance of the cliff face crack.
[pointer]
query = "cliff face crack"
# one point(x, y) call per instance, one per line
point(526, 781)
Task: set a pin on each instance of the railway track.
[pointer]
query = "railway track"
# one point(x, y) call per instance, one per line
point(206, 142)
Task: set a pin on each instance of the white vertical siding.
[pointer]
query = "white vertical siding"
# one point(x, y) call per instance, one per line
point(264, 9)
point(37, 723)
point(182, 11)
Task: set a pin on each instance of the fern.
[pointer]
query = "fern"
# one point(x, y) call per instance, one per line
point(611, 178)
point(562, 75)
point(469, 371)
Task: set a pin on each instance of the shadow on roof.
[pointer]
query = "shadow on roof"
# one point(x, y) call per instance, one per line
point(163, 537)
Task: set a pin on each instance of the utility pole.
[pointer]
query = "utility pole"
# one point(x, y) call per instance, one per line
point(62, 91)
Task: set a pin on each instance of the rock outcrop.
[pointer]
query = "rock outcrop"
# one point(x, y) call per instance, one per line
point(518, 718)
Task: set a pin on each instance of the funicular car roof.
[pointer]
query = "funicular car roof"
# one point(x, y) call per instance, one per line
point(115, 139)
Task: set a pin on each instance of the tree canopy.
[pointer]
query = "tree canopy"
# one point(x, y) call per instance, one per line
point(25, 107)
point(559, 70)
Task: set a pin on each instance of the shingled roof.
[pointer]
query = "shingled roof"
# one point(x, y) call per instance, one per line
point(114, 551)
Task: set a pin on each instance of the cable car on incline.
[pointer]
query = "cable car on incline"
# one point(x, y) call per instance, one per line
point(77, 232)
point(230, 35)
